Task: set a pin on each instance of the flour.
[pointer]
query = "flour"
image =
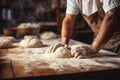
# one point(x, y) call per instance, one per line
point(36, 60)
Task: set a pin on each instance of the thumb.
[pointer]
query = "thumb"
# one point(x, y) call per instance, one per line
point(66, 46)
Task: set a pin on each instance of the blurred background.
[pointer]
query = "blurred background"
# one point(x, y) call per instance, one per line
point(49, 13)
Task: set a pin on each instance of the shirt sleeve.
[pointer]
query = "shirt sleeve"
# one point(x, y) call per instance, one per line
point(110, 4)
point(72, 7)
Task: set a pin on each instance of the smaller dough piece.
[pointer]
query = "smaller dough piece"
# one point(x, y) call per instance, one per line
point(30, 42)
point(4, 43)
point(48, 35)
point(60, 52)
point(30, 37)
point(22, 25)
point(7, 38)
point(28, 25)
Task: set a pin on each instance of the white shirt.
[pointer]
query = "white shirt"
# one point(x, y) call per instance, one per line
point(89, 7)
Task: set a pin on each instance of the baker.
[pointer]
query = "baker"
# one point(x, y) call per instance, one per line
point(103, 16)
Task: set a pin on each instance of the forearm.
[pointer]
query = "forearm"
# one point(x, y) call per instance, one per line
point(66, 31)
point(103, 36)
point(108, 27)
point(67, 28)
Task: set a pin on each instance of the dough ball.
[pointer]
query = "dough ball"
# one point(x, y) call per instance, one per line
point(30, 37)
point(29, 25)
point(7, 38)
point(22, 25)
point(36, 25)
point(61, 52)
point(30, 42)
point(5, 43)
point(48, 35)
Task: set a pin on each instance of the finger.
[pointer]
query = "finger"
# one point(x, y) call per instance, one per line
point(49, 50)
point(83, 53)
point(55, 47)
point(73, 52)
point(88, 51)
point(79, 57)
point(52, 49)
point(66, 46)
point(76, 55)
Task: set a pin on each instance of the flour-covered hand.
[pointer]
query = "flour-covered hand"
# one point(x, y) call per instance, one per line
point(53, 48)
point(81, 52)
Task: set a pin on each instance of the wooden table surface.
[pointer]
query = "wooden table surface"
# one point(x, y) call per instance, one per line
point(38, 68)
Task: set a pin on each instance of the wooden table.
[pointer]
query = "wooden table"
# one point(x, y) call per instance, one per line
point(16, 69)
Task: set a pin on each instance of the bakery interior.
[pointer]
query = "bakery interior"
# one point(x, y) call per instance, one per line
point(47, 15)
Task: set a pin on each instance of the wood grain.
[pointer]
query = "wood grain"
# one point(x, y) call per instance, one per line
point(6, 70)
point(43, 71)
point(19, 70)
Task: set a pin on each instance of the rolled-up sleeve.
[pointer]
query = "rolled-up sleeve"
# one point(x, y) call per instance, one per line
point(72, 7)
point(110, 4)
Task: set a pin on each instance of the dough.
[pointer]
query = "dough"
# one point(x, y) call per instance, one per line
point(35, 25)
point(48, 35)
point(30, 37)
point(4, 43)
point(60, 52)
point(22, 25)
point(30, 41)
point(7, 38)
point(29, 25)
point(28, 29)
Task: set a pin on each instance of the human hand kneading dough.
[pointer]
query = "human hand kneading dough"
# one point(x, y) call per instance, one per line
point(81, 52)
point(53, 48)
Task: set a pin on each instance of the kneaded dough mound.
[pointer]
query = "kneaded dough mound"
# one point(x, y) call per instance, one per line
point(61, 52)
point(30, 42)
point(48, 35)
point(5, 43)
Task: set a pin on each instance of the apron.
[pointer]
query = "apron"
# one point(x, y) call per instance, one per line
point(95, 21)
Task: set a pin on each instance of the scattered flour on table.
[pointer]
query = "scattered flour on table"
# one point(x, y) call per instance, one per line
point(35, 59)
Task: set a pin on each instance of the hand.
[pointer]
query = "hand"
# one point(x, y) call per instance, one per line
point(53, 48)
point(82, 52)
